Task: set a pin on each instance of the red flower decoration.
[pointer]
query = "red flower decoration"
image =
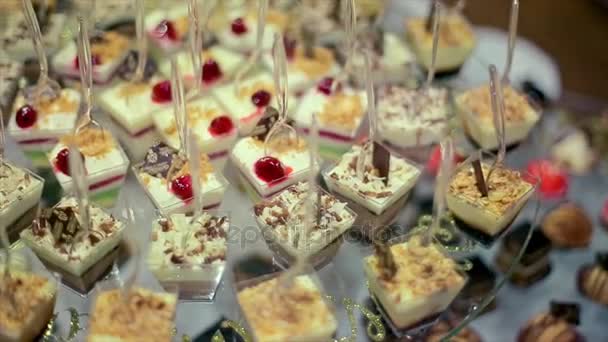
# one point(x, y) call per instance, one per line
point(553, 180)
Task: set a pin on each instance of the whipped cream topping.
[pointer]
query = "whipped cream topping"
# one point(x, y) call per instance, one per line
point(55, 115)
point(178, 242)
point(413, 108)
point(15, 183)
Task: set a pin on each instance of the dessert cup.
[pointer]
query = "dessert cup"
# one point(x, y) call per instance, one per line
point(108, 52)
point(339, 116)
point(424, 284)
point(485, 219)
point(166, 30)
point(475, 109)
point(10, 72)
point(19, 198)
point(81, 260)
point(456, 42)
point(37, 128)
point(240, 31)
point(215, 131)
point(377, 204)
point(175, 196)
point(280, 217)
point(189, 257)
point(17, 40)
point(106, 164)
point(262, 175)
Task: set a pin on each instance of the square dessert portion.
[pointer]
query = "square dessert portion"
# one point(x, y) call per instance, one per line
point(105, 164)
point(423, 286)
point(508, 192)
point(34, 298)
point(167, 30)
point(37, 127)
point(456, 42)
point(19, 198)
point(189, 255)
point(108, 52)
point(239, 32)
point(475, 107)
point(142, 316)
point(282, 217)
point(215, 131)
point(309, 317)
point(413, 117)
point(265, 173)
point(339, 116)
point(165, 176)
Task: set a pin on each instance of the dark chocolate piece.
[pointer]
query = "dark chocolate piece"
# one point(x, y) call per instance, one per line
point(381, 160)
point(602, 260)
point(568, 311)
point(62, 223)
point(271, 115)
point(127, 70)
point(158, 160)
point(479, 179)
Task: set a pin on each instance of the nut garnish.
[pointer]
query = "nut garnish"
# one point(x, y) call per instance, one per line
point(112, 46)
point(315, 67)
point(342, 110)
point(92, 142)
point(478, 101)
point(132, 89)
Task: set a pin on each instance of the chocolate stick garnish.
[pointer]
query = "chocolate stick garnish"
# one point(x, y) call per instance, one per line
point(479, 180)
point(512, 38)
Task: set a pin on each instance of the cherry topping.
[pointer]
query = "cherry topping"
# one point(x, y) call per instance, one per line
point(553, 181)
point(161, 92)
point(221, 125)
point(260, 98)
point(269, 169)
point(62, 161)
point(95, 60)
point(166, 29)
point(26, 116)
point(290, 47)
point(211, 71)
point(325, 85)
point(434, 161)
point(238, 26)
point(182, 187)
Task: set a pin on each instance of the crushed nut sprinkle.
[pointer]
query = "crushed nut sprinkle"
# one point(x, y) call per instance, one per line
point(453, 31)
point(30, 292)
point(205, 168)
point(92, 142)
point(317, 66)
point(342, 110)
point(112, 46)
point(133, 89)
point(61, 104)
point(479, 102)
point(283, 144)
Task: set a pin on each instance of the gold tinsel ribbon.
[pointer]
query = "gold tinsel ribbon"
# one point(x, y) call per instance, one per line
point(75, 327)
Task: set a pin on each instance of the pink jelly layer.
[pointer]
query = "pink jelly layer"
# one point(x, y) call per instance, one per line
point(331, 135)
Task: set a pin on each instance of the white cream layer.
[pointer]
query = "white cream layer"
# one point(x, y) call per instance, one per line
point(63, 64)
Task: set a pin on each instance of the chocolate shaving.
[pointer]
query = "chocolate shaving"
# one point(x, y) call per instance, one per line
point(62, 223)
point(177, 259)
point(165, 225)
point(381, 160)
point(158, 160)
point(570, 312)
point(602, 260)
point(270, 117)
point(480, 181)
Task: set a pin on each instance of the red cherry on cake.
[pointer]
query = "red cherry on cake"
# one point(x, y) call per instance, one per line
point(161, 92)
point(221, 125)
point(166, 29)
point(261, 98)
point(269, 169)
point(182, 187)
point(211, 71)
point(62, 161)
point(325, 85)
point(290, 47)
point(238, 26)
point(26, 116)
point(553, 181)
point(95, 60)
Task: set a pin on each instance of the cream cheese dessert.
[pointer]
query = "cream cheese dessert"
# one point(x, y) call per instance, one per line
point(105, 163)
point(304, 314)
point(131, 106)
point(167, 30)
point(34, 301)
point(376, 203)
point(145, 316)
point(165, 176)
point(189, 255)
point(339, 116)
point(16, 40)
point(37, 127)
point(278, 216)
point(246, 102)
point(108, 51)
point(10, 73)
point(214, 130)
point(219, 65)
point(239, 33)
point(456, 42)
point(475, 108)
point(423, 286)
point(19, 198)
point(264, 175)
point(413, 117)
point(508, 192)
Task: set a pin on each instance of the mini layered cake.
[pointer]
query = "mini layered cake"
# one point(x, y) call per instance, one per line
point(422, 285)
point(339, 116)
point(486, 217)
point(25, 317)
point(300, 307)
point(278, 216)
point(411, 117)
point(456, 42)
point(19, 198)
point(568, 226)
point(481, 283)
point(535, 263)
point(138, 315)
point(10, 72)
point(105, 163)
point(593, 280)
point(17, 40)
point(37, 127)
point(189, 255)
point(475, 108)
point(167, 30)
point(108, 52)
point(215, 131)
point(219, 65)
point(262, 174)
point(239, 33)
point(165, 175)
point(557, 325)
point(57, 239)
point(376, 201)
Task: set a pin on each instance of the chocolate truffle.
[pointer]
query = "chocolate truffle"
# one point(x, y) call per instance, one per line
point(593, 279)
point(557, 325)
point(568, 226)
